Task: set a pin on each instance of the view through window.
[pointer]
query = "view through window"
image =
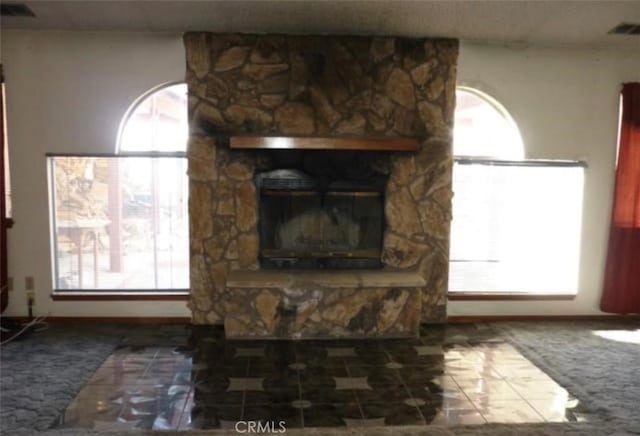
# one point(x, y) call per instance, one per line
point(516, 222)
point(121, 222)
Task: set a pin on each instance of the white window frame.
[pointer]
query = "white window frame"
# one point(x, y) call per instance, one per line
point(119, 153)
point(481, 159)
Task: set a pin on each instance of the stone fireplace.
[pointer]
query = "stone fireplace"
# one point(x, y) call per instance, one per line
point(319, 243)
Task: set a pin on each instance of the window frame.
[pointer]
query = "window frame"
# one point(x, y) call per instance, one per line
point(496, 161)
point(157, 294)
point(102, 294)
point(515, 295)
point(127, 116)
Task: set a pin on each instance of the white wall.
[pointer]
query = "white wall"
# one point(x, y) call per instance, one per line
point(67, 92)
point(565, 102)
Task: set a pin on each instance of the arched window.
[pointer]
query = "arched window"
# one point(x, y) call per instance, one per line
point(121, 222)
point(516, 222)
point(156, 122)
point(484, 128)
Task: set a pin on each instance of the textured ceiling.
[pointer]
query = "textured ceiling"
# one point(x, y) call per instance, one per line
point(574, 23)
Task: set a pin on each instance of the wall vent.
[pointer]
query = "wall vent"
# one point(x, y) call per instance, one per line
point(626, 29)
point(16, 10)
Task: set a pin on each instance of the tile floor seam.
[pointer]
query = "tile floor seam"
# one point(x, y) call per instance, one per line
point(353, 392)
point(244, 390)
point(150, 363)
point(408, 391)
point(184, 406)
point(300, 395)
point(125, 401)
point(473, 403)
point(400, 378)
point(536, 410)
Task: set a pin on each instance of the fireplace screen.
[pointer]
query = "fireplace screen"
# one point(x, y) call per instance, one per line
point(311, 223)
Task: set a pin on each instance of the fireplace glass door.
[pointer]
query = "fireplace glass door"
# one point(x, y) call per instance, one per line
point(304, 226)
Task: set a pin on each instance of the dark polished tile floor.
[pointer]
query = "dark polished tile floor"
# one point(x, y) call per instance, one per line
point(458, 375)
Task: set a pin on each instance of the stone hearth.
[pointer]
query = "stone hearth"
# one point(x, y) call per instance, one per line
point(321, 304)
point(320, 86)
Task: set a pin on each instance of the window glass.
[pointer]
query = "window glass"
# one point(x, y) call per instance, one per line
point(516, 223)
point(158, 122)
point(483, 128)
point(120, 223)
point(515, 228)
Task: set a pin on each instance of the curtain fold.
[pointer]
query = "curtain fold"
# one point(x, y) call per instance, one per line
point(621, 292)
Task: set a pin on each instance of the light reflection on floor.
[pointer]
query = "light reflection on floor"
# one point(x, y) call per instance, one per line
point(460, 376)
point(627, 336)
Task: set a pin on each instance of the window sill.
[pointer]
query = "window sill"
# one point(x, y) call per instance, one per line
point(119, 296)
point(507, 296)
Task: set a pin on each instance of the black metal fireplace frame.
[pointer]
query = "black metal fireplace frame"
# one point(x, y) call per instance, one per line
point(294, 182)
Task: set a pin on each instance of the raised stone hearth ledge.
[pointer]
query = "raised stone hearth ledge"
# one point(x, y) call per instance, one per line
point(314, 311)
point(319, 304)
point(328, 279)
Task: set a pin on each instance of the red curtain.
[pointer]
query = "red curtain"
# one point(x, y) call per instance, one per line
point(622, 274)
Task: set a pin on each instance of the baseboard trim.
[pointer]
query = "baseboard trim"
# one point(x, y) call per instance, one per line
point(155, 320)
point(496, 318)
point(461, 319)
point(97, 296)
point(506, 296)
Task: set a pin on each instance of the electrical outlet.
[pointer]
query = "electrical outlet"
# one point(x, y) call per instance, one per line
point(31, 298)
point(29, 283)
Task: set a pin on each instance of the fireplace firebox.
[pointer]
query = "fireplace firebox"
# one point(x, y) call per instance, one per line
point(310, 222)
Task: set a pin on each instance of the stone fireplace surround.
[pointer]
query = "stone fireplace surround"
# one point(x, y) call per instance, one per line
point(319, 86)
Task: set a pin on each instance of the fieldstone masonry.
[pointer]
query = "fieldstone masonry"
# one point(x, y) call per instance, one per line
point(322, 86)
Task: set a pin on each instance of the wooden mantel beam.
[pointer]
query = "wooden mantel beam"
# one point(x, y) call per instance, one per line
point(315, 143)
